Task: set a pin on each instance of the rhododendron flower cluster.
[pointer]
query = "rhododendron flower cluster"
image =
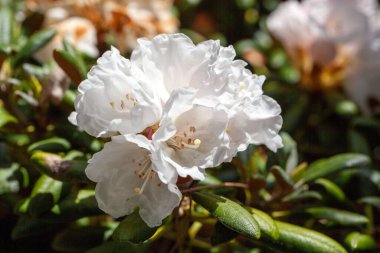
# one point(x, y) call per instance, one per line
point(333, 42)
point(172, 111)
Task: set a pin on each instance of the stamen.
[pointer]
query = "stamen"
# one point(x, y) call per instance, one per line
point(192, 129)
point(242, 85)
point(195, 145)
point(145, 182)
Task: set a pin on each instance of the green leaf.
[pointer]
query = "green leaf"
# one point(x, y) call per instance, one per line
point(324, 167)
point(46, 192)
point(302, 240)
point(229, 213)
point(283, 181)
point(54, 144)
point(302, 194)
point(337, 216)
point(371, 200)
point(75, 206)
point(268, 226)
point(222, 234)
point(59, 168)
point(358, 142)
point(133, 229)
point(357, 241)
point(35, 42)
point(71, 65)
point(6, 26)
point(8, 183)
point(5, 117)
point(27, 226)
point(288, 155)
point(79, 239)
point(18, 139)
point(332, 189)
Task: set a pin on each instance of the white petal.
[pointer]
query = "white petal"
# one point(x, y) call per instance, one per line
point(126, 181)
point(184, 124)
point(289, 23)
point(258, 123)
point(175, 60)
point(116, 97)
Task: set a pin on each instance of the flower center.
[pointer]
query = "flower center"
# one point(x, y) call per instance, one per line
point(179, 142)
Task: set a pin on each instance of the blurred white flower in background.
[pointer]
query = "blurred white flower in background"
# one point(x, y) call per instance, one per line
point(125, 20)
point(188, 107)
point(77, 31)
point(332, 42)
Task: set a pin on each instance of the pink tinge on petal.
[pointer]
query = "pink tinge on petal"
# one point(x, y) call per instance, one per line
point(150, 133)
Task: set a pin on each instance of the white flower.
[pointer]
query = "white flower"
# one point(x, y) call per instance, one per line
point(77, 31)
point(124, 20)
point(129, 176)
point(116, 97)
point(190, 137)
point(181, 107)
point(331, 43)
point(173, 61)
point(362, 83)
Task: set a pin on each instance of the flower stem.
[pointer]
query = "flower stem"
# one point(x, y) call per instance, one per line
point(225, 184)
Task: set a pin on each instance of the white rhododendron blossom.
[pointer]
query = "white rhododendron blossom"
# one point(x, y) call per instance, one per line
point(335, 39)
point(128, 176)
point(174, 110)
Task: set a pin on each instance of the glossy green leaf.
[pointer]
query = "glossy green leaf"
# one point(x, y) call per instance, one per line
point(5, 117)
point(229, 213)
point(54, 144)
point(35, 42)
point(79, 239)
point(70, 64)
point(288, 155)
point(283, 181)
point(324, 167)
point(59, 168)
point(358, 142)
point(371, 200)
point(331, 188)
point(8, 183)
point(301, 195)
point(302, 240)
point(337, 216)
point(133, 229)
point(46, 192)
point(6, 25)
point(222, 234)
point(18, 139)
point(75, 206)
point(357, 241)
point(268, 226)
point(27, 226)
